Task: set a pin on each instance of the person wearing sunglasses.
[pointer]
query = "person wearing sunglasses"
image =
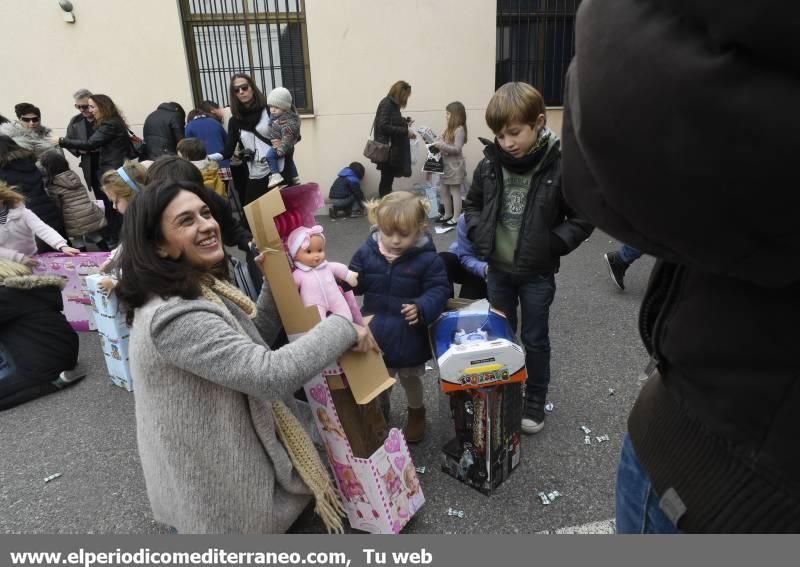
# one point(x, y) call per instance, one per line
point(81, 127)
point(250, 126)
point(27, 131)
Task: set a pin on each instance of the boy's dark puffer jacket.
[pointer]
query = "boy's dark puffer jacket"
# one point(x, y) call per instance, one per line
point(418, 276)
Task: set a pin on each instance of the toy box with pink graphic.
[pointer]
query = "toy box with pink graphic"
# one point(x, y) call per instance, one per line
point(380, 493)
point(113, 332)
point(74, 269)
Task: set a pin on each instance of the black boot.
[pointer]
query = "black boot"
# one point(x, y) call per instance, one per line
point(616, 268)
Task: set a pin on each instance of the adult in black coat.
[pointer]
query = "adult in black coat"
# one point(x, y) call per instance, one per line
point(111, 139)
point(163, 129)
point(18, 169)
point(392, 128)
point(692, 163)
point(81, 127)
point(40, 348)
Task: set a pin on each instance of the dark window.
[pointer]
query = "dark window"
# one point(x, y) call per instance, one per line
point(535, 43)
point(263, 38)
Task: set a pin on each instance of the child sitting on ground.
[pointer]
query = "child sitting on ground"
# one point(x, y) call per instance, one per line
point(194, 150)
point(82, 217)
point(285, 127)
point(404, 284)
point(346, 195)
point(19, 227)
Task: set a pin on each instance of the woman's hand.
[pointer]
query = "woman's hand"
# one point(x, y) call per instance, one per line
point(69, 250)
point(29, 261)
point(365, 342)
point(106, 285)
point(259, 260)
point(411, 313)
point(276, 143)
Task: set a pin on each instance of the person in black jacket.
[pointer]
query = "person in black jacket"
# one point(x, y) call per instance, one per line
point(163, 129)
point(518, 220)
point(677, 165)
point(39, 348)
point(18, 169)
point(346, 195)
point(112, 140)
point(391, 128)
point(81, 127)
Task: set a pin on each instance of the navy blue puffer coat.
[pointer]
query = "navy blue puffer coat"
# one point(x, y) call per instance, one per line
point(418, 276)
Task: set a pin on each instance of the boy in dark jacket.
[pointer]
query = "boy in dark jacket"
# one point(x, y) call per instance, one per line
point(346, 195)
point(404, 284)
point(518, 220)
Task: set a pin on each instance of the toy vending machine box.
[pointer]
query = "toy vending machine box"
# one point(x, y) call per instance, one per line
point(482, 371)
point(376, 477)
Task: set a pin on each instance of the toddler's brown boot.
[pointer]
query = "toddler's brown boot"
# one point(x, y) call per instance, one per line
point(415, 428)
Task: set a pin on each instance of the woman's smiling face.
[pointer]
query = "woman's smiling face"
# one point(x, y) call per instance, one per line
point(190, 230)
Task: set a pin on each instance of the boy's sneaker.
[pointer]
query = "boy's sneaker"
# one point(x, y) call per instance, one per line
point(533, 416)
point(274, 180)
point(68, 377)
point(357, 213)
point(616, 268)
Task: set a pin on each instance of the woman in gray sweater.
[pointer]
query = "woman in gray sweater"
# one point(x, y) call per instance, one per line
point(219, 445)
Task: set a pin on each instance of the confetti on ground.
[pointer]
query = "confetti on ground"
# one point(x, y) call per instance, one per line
point(586, 430)
point(52, 477)
point(457, 513)
point(548, 407)
point(420, 470)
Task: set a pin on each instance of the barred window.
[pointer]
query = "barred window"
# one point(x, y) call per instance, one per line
point(535, 43)
point(266, 39)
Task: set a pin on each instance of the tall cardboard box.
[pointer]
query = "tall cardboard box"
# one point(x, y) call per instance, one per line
point(113, 332)
point(380, 493)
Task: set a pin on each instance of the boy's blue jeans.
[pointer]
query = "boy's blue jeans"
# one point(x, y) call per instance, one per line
point(348, 203)
point(629, 254)
point(638, 510)
point(272, 160)
point(535, 293)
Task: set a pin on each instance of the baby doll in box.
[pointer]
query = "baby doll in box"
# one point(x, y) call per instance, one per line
point(316, 278)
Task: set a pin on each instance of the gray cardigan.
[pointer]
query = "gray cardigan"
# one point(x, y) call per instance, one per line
point(211, 458)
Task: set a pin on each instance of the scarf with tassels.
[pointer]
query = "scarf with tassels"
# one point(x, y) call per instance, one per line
point(291, 433)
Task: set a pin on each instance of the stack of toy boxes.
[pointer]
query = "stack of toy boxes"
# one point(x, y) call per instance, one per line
point(74, 269)
point(380, 491)
point(113, 332)
point(481, 369)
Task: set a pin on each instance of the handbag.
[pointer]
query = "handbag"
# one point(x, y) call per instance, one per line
point(375, 151)
point(434, 162)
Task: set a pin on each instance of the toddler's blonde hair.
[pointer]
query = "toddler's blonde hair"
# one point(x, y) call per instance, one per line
point(399, 211)
point(9, 197)
point(114, 186)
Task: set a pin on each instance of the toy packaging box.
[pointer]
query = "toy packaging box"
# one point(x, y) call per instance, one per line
point(113, 332)
point(482, 372)
point(380, 490)
point(74, 269)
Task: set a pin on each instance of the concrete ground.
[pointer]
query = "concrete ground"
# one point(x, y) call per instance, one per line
point(87, 433)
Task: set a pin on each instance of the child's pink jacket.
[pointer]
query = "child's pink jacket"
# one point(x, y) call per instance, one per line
point(17, 235)
point(318, 287)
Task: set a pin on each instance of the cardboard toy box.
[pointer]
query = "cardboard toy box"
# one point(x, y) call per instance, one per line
point(381, 492)
point(475, 347)
point(113, 333)
point(75, 269)
point(486, 445)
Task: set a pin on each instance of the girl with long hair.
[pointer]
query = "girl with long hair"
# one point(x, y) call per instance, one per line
point(455, 170)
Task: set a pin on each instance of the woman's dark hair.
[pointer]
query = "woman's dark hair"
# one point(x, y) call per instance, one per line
point(208, 106)
point(26, 108)
point(400, 91)
point(144, 272)
point(259, 100)
point(11, 151)
point(194, 113)
point(173, 168)
point(53, 162)
point(3, 119)
point(107, 109)
point(357, 168)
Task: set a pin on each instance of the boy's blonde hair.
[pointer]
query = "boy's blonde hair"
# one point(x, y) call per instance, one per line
point(114, 186)
point(399, 211)
point(514, 102)
point(9, 197)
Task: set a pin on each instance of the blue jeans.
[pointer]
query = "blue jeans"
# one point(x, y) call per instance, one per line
point(629, 254)
point(638, 510)
point(348, 203)
point(272, 160)
point(535, 294)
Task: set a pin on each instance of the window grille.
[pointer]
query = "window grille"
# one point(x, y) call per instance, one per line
point(535, 43)
point(266, 39)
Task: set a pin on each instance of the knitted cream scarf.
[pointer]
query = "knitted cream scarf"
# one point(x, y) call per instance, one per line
point(298, 445)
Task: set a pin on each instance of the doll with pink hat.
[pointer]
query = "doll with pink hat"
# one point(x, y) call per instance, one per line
point(314, 276)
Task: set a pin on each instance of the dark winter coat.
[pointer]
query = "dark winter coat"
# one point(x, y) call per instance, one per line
point(419, 276)
point(233, 232)
point(21, 173)
point(35, 332)
point(163, 129)
point(391, 127)
point(80, 129)
point(674, 165)
point(213, 134)
point(112, 140)
point(347, 185)
point(81, 213)
point(550, 227)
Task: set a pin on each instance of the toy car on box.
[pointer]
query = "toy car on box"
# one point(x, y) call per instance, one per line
point(475, 348)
